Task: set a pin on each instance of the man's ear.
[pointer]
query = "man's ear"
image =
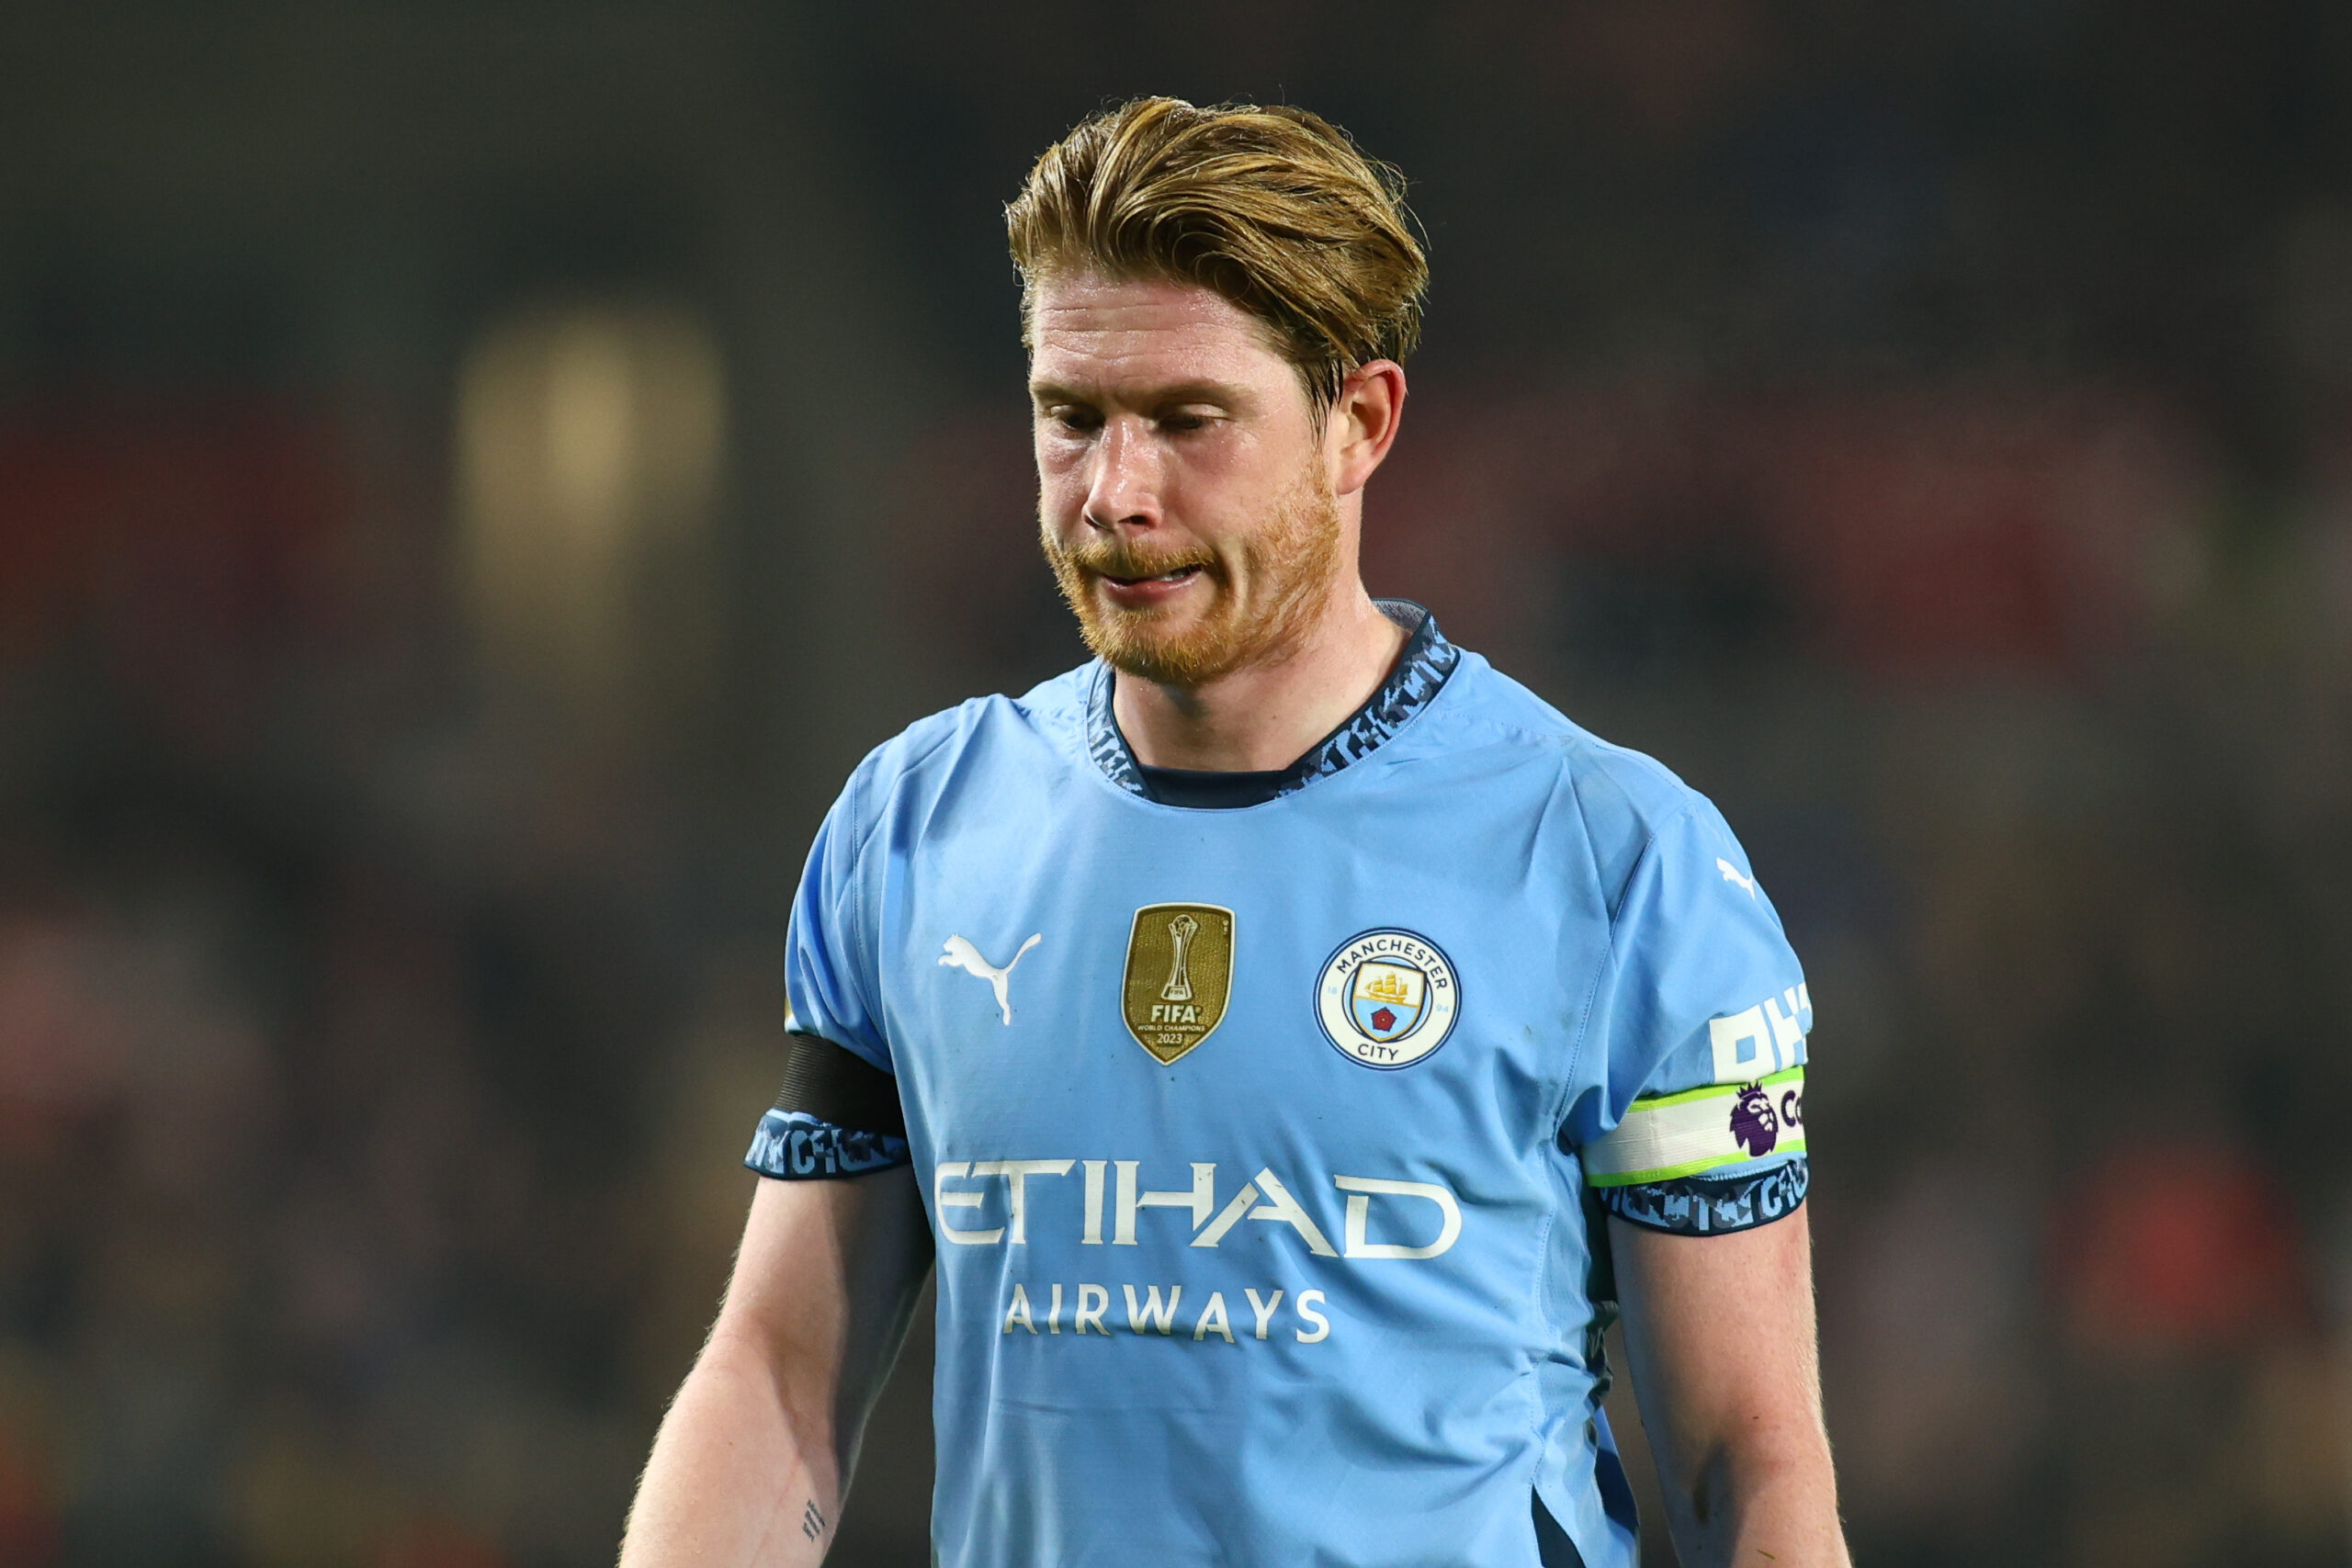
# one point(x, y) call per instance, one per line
point(1364, 422)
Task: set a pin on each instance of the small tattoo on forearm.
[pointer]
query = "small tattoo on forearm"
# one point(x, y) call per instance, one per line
point(812, 1520)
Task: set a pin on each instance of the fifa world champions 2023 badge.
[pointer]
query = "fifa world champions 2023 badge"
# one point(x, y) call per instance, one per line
point(1179, 976)
point(1387, 997)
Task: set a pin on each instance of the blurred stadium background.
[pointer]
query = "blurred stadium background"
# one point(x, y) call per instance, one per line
point(474, 476)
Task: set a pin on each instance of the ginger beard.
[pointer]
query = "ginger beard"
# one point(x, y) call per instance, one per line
point(1283, 571)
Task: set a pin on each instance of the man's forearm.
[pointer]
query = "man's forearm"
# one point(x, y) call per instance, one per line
point(736, 1480)
point(753, 1459)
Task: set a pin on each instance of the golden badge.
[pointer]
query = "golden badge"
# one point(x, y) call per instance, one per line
point(1180, 975)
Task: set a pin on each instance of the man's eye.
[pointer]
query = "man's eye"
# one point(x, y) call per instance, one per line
point(1183, 421)
point(1073, 419)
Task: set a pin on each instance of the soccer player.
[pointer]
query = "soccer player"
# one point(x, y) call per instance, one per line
point(1291, 1039)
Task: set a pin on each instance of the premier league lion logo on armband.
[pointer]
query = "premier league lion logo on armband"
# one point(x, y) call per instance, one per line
point(1753, 1124)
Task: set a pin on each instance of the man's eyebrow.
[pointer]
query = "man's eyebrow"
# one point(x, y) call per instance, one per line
point(1224, 393)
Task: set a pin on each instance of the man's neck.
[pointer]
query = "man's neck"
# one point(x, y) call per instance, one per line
point(1265, 716)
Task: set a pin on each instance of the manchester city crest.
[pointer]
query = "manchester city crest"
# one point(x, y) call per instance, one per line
point(1179, 976)
point(1387, 999)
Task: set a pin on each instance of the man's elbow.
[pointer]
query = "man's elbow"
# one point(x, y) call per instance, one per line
point(1757, 1470)
point(768, 1362)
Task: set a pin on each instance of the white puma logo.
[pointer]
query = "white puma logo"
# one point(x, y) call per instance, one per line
point(962, 954)
point(1730, 873)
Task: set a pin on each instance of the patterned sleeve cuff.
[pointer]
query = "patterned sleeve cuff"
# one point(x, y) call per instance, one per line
point(1698, 1205)
point(793, 1145)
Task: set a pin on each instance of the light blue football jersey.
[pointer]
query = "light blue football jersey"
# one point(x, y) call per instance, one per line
point(1257, 1143)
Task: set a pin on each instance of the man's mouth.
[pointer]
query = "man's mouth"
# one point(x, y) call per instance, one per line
point(1180, 574)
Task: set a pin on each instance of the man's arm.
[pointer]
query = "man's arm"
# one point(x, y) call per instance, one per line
point(1720, 1333)
point(754, 1457)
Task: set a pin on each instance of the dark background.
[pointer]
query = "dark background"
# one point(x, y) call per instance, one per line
point(474, 477)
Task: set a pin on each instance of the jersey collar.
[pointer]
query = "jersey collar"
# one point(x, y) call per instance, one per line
point(1421, 672)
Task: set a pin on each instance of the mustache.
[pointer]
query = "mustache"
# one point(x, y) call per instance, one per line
point(1120, 558)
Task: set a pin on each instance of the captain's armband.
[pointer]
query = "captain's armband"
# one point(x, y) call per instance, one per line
point(1669, 1136)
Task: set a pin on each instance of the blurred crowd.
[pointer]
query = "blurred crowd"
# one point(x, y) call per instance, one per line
point(341, 1043)
point(423, 658)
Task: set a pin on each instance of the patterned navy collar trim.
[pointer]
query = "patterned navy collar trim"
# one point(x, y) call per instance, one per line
point(1421, 671)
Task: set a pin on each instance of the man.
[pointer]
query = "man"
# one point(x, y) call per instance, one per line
point(1259, 1021)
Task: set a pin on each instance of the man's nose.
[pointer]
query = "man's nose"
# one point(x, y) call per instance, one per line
point(1125, 485)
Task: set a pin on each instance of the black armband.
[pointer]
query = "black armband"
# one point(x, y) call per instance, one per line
point(837, 1114)
point(835, 1083)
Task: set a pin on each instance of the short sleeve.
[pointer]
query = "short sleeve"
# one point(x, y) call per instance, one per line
point(1688, 1112)
point(836, 1115)
point(829, 970)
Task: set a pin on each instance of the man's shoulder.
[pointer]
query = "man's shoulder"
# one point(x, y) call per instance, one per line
point(1616, 801)
point(1050, 715)
point(1491, 709)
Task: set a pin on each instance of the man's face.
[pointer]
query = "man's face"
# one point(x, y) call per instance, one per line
point(1183, 496)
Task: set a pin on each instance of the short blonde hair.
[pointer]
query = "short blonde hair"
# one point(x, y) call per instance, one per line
point(1273, 208)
